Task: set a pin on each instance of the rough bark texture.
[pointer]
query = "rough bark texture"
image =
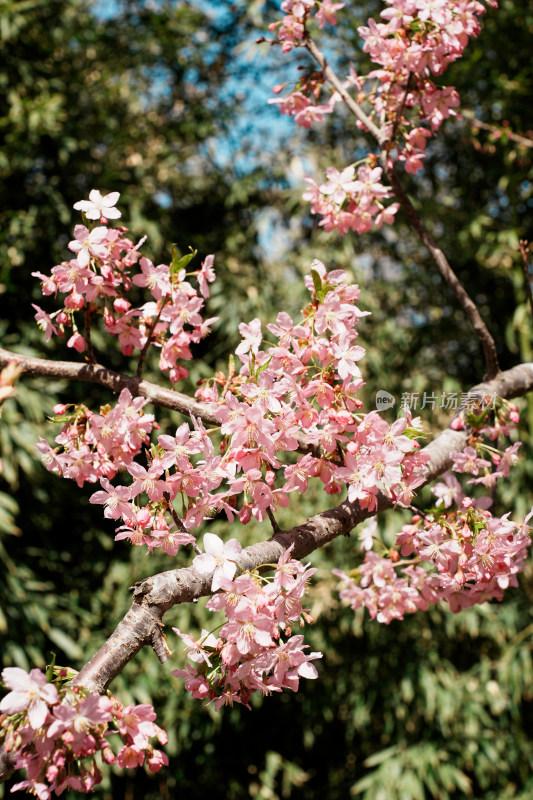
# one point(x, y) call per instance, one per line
point(96, 373)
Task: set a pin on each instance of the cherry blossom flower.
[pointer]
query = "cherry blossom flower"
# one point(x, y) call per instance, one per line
point(206, 275)
point(252, 337)
point(30, 691)
point(97, 206)
point(197, 650)
point(88, 244)
point(218, 559)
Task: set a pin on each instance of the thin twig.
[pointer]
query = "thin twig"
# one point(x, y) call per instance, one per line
point(148, 341)
point(348, 100)
point(501, 131)
point(179, 523)
point(460, 293)
point(91, 358)
point(275, 527)
point(399, 112)
point(523, 246)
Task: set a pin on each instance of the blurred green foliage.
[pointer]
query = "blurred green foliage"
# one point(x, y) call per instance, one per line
point(152, 101)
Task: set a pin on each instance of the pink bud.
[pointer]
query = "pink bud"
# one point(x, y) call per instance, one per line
point(108, 755)
point(245, 514)
point(459, 577)
point(121, 305)
point(156, 761)
point(457, 424)
point(59, 409)
point(270, 477)
point(77, 342)
point(75, 301)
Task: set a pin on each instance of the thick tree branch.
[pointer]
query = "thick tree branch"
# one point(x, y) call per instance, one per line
point(96, 373)
point(116, 381)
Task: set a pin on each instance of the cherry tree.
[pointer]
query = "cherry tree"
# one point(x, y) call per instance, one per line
point(290, 415)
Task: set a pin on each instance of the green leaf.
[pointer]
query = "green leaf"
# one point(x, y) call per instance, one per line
point(51, 659)
point(179, 263)
point(317, 281)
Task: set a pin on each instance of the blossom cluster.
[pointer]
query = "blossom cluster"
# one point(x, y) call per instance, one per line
point(95, 446)
point(53, 730)
point(307, 383)
point(96, 281)
point(468, 554)
point(291, 29)
point(417, 41)
point(348, 203)
point(254, 650)
point(469, 560)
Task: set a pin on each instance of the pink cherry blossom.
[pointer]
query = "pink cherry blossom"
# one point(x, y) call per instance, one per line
point(218, 560)
point(88, 244)
point(29, 692)
point(97, 206)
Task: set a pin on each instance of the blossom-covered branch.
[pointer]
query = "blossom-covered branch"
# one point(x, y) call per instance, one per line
point(155, 595)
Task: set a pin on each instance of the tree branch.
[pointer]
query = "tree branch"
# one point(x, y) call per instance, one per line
point(460, 293)
point(348, 100)
point(499, 131)
point(154, 596)
point(116, 381)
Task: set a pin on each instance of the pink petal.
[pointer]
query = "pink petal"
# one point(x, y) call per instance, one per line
point(307, 670)
point(37, 713)
point(204, 563)
point(213, 544)
point(15, 678)
point(14, 702)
